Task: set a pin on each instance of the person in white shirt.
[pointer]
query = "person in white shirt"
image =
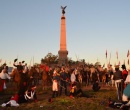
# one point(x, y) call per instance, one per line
point(3, 77)
point(73, 77)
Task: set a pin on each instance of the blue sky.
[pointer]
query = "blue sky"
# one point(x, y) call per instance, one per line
point(31, 28)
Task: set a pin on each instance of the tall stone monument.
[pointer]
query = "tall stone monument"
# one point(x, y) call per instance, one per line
point(63, 51)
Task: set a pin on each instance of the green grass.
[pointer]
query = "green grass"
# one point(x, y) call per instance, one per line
point(96, 101)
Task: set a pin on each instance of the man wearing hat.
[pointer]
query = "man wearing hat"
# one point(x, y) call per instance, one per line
point(19, 66)
point(117, 77)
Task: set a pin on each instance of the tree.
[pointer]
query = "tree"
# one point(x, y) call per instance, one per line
point(50, 59)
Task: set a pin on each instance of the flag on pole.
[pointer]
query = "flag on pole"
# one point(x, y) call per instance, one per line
point(106, 53)
point(128, 53)
point(117, 54)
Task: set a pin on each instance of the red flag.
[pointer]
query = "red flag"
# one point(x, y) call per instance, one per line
point(106, 53)
point(116, 54)
point(128, 54)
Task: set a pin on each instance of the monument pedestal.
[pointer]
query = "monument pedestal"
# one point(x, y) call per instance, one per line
point(63, 57)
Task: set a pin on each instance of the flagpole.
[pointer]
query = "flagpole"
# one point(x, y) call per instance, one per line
point(110, 58)
point(117, 56)
point(33, 60)
point(30, 62)
point(106, 57)
point(17, 59)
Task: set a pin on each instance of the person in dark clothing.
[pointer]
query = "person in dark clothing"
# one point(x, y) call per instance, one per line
point(23, 83)
point(19, 67)
point(117, 77)
point(96, 86)
point(29, 95)
point(76, 91)
point(63, 81)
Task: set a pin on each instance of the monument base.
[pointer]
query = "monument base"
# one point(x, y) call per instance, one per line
point(63, 60)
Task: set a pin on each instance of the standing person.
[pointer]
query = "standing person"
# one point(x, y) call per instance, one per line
point(25, 68)
point(55, 84)
point(19, 66)
point(118, 81)
point(110, 75)
point(124, 74)
point(126, 92)
point(94, 75)
point(63, 80)
point(3, 77)
point(23, 83)
point(73, 77)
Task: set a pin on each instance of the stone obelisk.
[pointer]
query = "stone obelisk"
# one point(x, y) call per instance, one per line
point(63, 51)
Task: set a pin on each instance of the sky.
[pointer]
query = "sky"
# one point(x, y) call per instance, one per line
point(30, 29)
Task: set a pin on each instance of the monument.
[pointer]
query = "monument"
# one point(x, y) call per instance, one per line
point(63, 51)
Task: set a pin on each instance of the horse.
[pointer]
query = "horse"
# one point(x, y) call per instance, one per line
point(33, 74)
point(16, 77)
point(104, 76)
point(93, 75)
point(80, 77)
point(44, 79)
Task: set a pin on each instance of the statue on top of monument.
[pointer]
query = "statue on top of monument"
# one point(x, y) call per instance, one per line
point(63, 9)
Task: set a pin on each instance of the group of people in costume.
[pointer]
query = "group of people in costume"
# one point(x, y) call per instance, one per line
point(26, 91)
point(122, 84)
point(61, 79)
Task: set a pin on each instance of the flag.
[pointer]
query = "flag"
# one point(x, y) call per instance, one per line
point(106, 53)
point(128, 61)
point(116, 54)
point(128, 54)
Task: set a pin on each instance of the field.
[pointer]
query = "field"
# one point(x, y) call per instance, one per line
point(93, 101)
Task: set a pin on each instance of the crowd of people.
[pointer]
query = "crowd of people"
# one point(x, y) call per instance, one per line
point(74, 76)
